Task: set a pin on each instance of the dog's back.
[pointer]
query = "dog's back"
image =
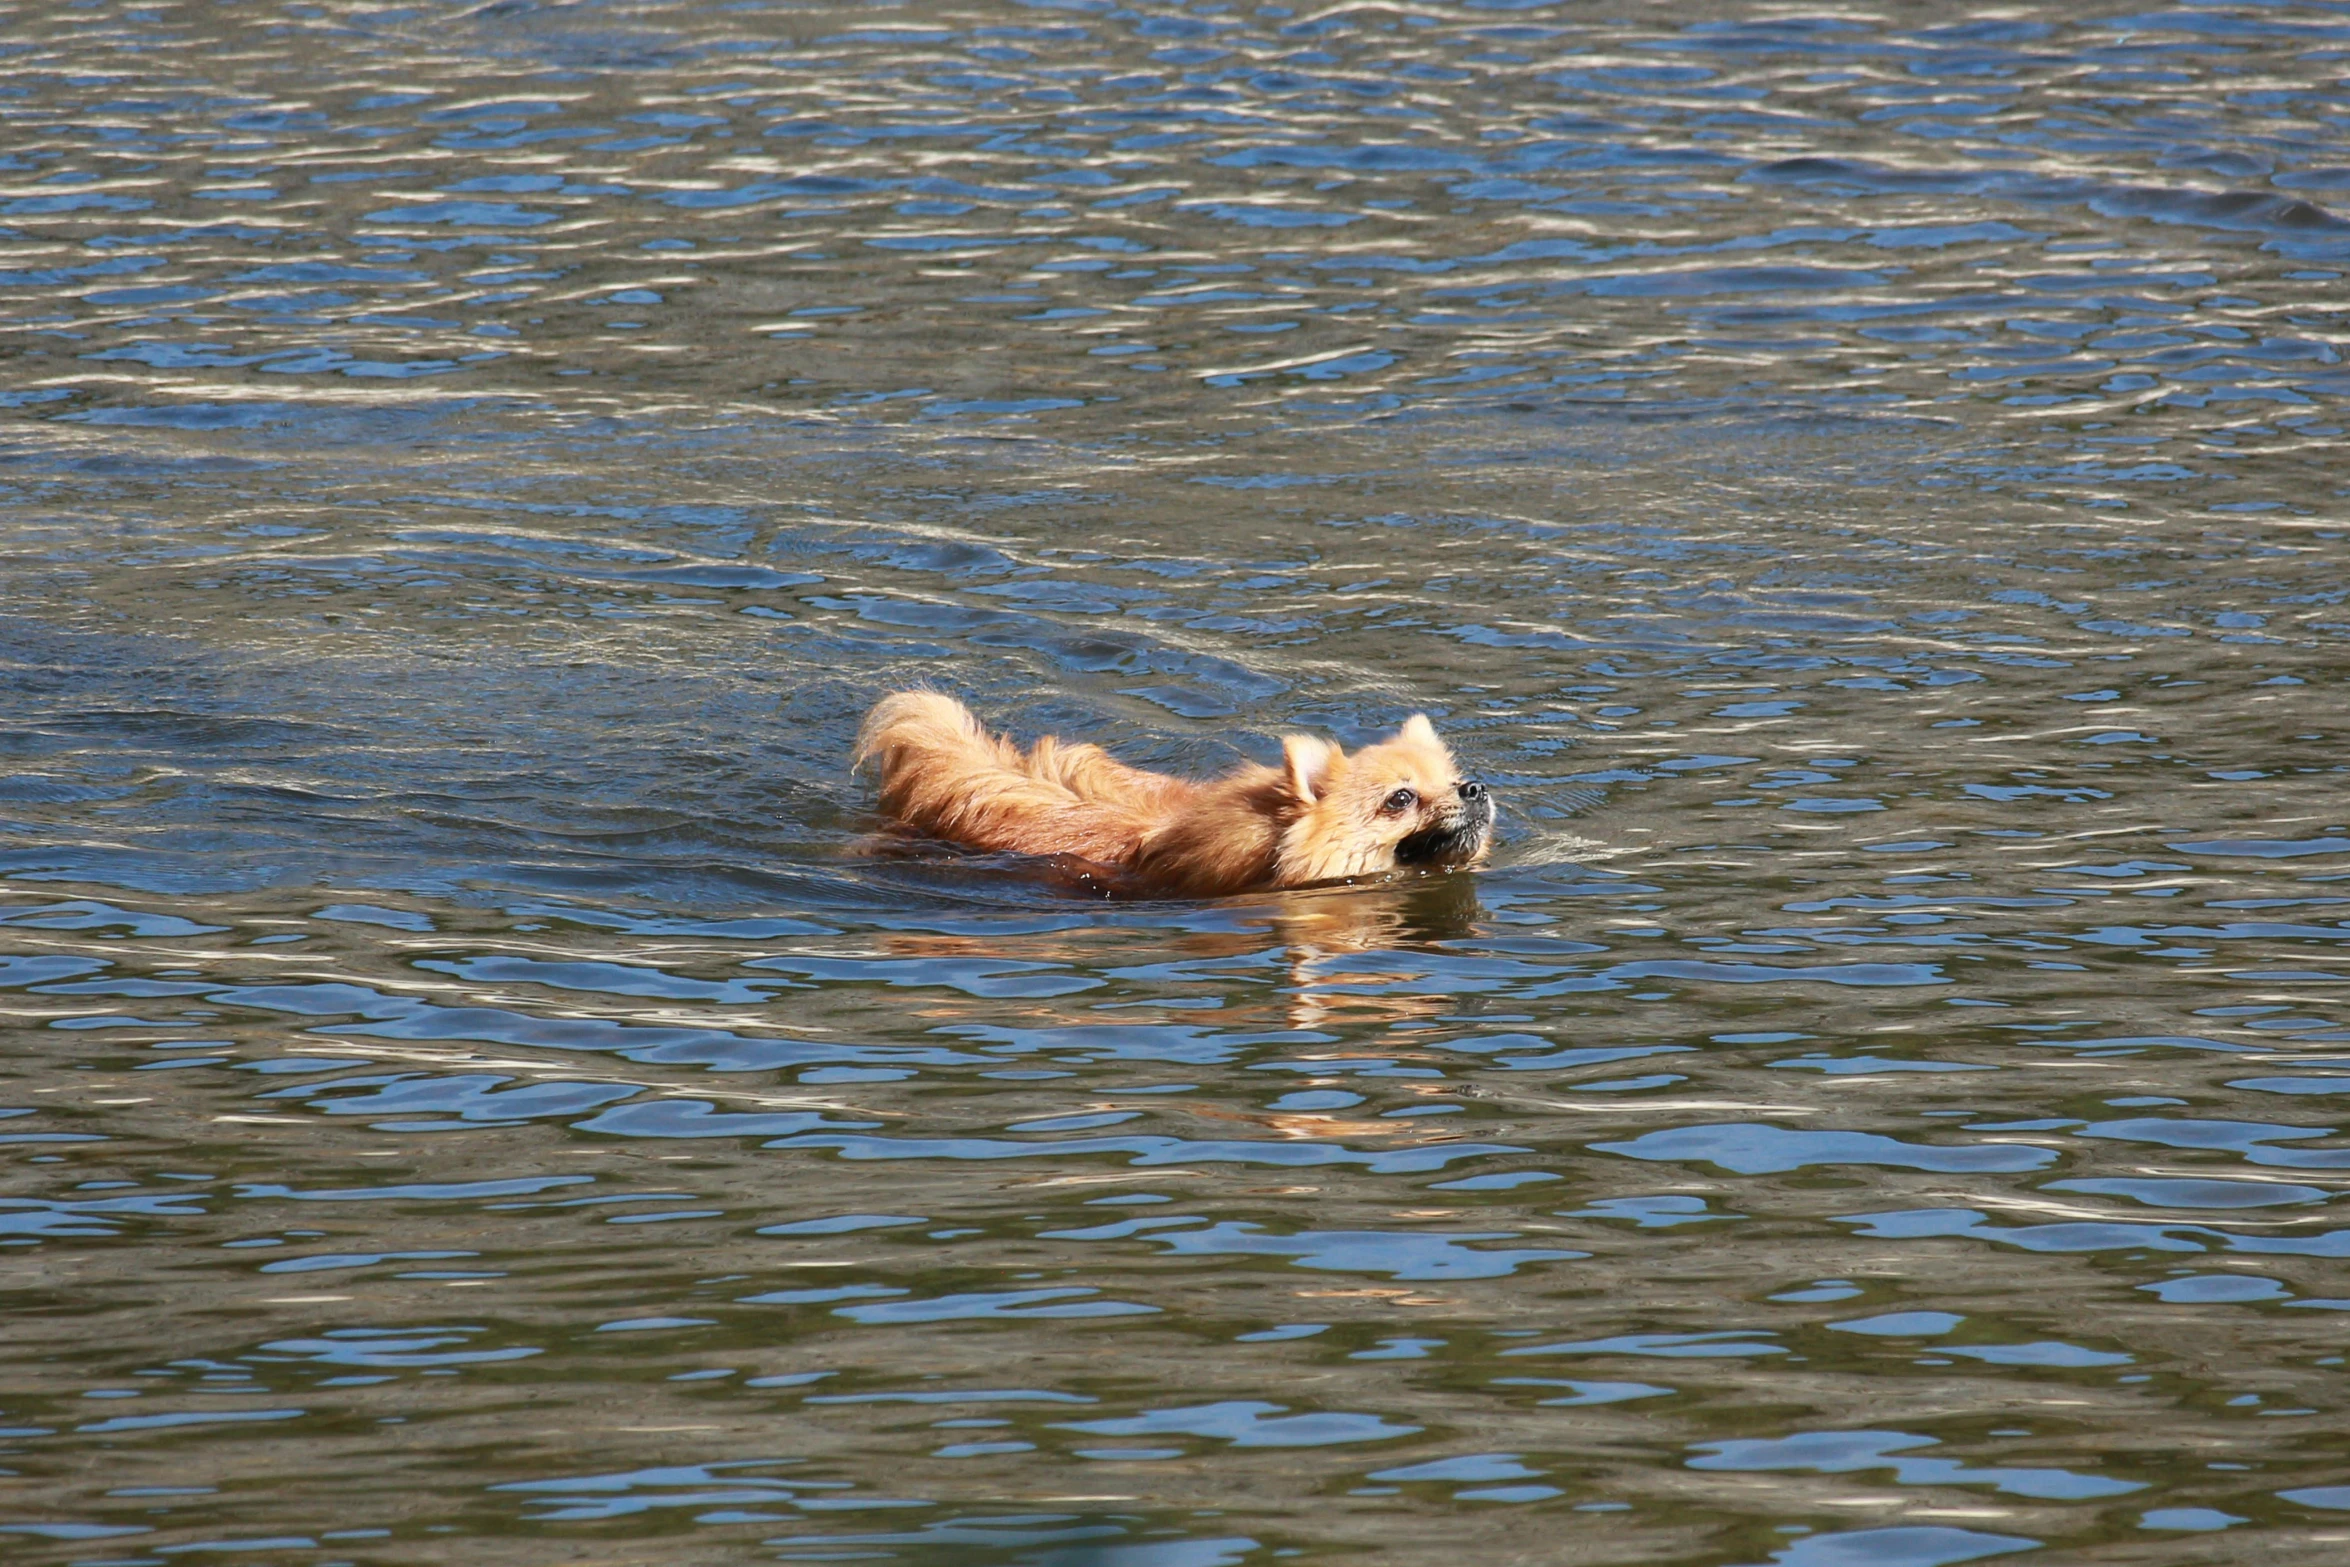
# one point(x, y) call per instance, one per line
point(944, 775)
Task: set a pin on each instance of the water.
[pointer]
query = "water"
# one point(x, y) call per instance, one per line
point(1863, 487)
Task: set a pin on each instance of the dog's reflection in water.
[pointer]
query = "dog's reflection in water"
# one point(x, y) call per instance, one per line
point(1350, 951)
point(1335, 938)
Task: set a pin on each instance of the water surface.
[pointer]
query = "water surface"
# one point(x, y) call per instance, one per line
point(1863, 486)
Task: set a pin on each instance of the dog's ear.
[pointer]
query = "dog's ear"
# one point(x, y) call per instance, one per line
point(1417, 729)
point(1309, 762)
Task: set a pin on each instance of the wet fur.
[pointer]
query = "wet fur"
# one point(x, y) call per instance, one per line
point(1323, 815)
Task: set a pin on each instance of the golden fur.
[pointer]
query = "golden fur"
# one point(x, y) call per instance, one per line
point(1322, 815)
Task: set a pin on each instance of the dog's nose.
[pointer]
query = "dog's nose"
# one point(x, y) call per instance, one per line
point(1471, 789)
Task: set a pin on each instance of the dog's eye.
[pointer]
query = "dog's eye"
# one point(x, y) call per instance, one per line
point(1400, 801)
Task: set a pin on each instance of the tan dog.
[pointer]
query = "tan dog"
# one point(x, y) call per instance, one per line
point(1321, 816)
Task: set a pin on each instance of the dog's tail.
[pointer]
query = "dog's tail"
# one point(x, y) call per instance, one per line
point(915, 730)
point(936, 763)
point(944, 775)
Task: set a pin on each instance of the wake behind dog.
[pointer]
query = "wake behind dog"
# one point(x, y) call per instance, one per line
point(1323, 815)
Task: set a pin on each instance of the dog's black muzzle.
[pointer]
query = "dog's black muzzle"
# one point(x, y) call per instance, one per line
point(1458, 837)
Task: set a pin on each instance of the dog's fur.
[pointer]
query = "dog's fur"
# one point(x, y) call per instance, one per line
point(1322, 815)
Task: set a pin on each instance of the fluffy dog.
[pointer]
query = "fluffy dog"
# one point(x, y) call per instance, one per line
point(1322, 815)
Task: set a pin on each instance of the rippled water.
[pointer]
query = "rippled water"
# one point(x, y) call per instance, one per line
point(1862, 485)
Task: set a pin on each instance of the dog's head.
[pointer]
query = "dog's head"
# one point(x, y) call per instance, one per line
point(1399, 805)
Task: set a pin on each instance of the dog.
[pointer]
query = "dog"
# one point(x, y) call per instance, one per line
point(1322, 815)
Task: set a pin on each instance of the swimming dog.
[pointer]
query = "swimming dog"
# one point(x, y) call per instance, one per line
point(1322, 815)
